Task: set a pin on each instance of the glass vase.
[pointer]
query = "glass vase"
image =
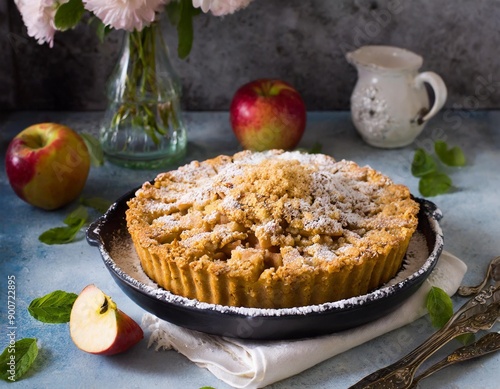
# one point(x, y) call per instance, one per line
point(143, 126)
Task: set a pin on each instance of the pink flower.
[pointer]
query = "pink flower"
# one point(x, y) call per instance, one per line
point(125, 14)
point(220, 7)
point(38, 16)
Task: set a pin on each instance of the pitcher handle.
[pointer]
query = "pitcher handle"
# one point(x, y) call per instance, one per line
point(439, 88)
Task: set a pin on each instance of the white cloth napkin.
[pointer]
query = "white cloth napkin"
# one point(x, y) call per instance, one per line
point(255, 364)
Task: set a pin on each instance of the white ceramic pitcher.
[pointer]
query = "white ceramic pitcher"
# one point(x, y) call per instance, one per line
point(389, 104)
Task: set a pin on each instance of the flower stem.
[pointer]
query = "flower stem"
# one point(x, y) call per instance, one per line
point(141, 103)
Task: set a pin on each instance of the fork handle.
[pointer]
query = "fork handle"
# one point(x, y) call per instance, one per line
point(489, 343)
point(400, 374)
point(403, 369)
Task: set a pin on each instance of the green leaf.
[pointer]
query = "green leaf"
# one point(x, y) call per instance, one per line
point(185, 32)
point(99, 204)
point(60, 235)
point(102, 31)
point(434, 184)
point(100, 28)
point(174, 12)
point(440, 306)
point(451, 157)
point(77, 216)
point(68, 15)
point(54, 307)
point(422, 163)
point(440, 309)
point(466, 338)
point(316, 148)
point(94, 148)
point(17, 359)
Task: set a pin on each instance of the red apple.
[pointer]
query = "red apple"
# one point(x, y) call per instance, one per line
point(268, 114)
point(97, 326)
point(47, 165)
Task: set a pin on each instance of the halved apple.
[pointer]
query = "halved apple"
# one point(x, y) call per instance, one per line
point(97, 326)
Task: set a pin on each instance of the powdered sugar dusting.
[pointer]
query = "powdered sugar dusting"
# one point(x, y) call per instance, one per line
point(111, 235)
point(309, 201)
point(123, 260)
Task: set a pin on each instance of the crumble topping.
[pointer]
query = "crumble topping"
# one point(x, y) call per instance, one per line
point(293, 209)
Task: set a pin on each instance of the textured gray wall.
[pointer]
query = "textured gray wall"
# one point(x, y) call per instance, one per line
point(303, 42)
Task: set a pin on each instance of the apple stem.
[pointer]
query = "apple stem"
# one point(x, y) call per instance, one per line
point(267, 89)
point(35, 142)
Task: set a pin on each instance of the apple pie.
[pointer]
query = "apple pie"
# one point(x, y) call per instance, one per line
point(271, 229)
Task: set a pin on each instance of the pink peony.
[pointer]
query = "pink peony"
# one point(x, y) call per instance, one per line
point(220, 7)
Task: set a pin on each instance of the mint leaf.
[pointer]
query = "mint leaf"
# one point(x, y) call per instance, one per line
point(466, 338)
point(422, 163)
point(433, 181)
point(94, 148)
point(450, 157)
point(77, 216)
point(316, 148)
point(434, 184)
point(99, 204)
point(69, 14)
point(440, 309)
point(60, 235)
point(16, 359)
point(54, 307)
point(440, 306)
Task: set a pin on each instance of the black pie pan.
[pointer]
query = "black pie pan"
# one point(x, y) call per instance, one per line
point(110, 231)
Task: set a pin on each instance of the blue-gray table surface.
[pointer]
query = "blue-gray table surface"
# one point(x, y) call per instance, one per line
point(471, 226)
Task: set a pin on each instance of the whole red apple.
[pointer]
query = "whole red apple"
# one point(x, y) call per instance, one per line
point(47, 165)
point(97, 326)
point(268, 114)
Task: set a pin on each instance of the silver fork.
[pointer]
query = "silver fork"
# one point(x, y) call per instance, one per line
point(479, 313)
point(493, 272)
point(487, 344)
